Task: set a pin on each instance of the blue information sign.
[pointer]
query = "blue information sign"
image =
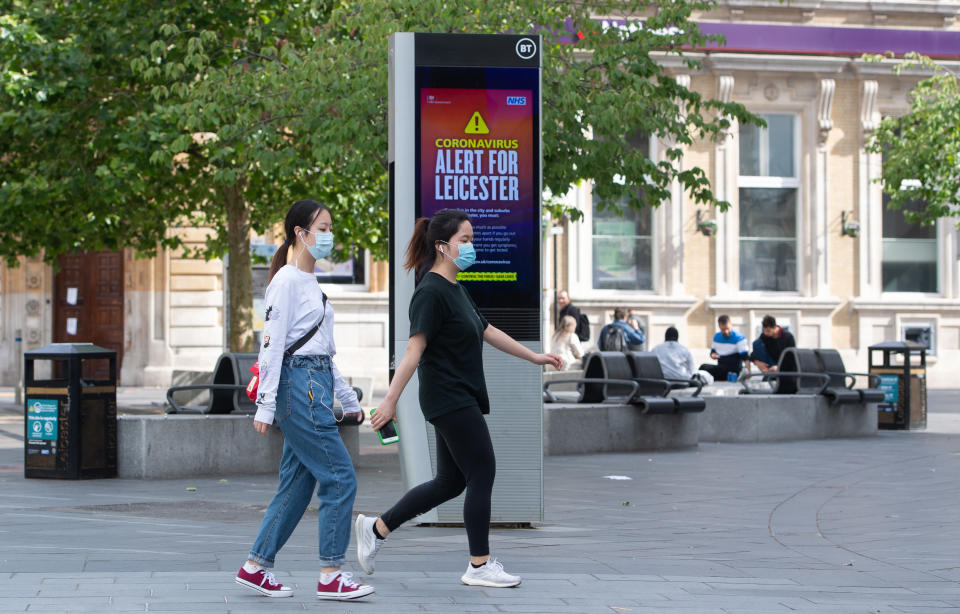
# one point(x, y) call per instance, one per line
point(42, 419)
point(890, 385)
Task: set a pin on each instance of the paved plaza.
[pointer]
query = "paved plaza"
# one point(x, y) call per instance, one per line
point(866, 526)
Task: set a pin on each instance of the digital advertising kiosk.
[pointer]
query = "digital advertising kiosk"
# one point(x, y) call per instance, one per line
point(465, 134)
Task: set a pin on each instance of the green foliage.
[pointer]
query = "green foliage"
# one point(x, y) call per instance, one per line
point(103, 102)
point(922, 148)
point(121, 119)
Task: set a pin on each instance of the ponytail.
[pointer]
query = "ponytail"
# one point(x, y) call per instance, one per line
point(421, 252)
point(279, 258)
point(302, 213)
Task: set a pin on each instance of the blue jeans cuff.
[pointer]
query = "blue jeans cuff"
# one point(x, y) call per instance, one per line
point(259, 560)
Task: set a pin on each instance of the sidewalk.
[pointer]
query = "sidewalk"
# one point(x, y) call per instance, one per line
point(863, 526)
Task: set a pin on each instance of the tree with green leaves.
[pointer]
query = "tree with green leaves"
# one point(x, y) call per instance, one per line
point(234, 115)
point(922, 148)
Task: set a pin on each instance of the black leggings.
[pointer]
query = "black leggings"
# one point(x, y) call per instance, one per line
point(464, 460)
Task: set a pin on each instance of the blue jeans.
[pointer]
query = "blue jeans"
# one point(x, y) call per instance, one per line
point(313, 455)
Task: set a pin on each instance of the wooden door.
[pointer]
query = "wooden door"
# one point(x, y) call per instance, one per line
point(88, 305)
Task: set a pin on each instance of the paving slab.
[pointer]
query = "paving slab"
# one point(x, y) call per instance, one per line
point(840, 526)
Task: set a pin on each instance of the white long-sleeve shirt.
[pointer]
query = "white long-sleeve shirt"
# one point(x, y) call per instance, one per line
point(294, 302)
point(675, 360)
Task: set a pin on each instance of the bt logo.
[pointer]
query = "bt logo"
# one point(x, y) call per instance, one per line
point(526, 48)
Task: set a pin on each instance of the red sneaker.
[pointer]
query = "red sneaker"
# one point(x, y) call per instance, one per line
point(263, 582)
point(342, 588)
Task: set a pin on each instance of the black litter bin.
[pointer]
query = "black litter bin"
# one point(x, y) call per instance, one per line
point(70, 418)
point(903, 379)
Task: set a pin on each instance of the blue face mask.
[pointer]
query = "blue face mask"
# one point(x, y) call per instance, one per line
point(322, 245)
point(467, 256)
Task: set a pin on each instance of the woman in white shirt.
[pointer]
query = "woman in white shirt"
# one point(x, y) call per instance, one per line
point(298, 382)
point(566, 343)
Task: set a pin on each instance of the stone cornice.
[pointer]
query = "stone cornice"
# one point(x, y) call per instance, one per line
point(790, 302)
point(904, 304)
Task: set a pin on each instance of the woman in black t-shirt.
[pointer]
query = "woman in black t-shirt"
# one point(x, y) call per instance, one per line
point(447, 333)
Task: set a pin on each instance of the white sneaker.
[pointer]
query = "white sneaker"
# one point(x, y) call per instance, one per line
point(368, 544)
point(489, 574)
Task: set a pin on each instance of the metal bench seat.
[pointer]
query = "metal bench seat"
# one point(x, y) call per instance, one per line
point(840, 389)
point(634, 378)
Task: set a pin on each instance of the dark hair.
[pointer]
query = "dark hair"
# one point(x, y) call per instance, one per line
point(723, 320)
point(769, 322)
point(302, 213)
point(421, 253)
point(671, 334)
point(619, 313)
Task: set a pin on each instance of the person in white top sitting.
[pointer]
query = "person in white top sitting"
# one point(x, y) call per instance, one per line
point(676, 360)
point(566, 344)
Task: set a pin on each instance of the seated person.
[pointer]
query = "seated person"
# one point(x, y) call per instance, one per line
point(729, 349)
point(770, 345)
point(675, 360)
point(566, 344)
point(619, 335)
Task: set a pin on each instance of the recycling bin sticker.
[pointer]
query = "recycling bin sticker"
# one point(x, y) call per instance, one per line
point(42, 421)
point(890, 385)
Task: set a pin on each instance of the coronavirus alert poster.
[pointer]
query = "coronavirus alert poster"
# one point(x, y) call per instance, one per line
point(477, 155)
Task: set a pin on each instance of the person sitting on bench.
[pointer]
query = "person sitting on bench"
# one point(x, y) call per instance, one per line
point(770, 345)
point(729, 349)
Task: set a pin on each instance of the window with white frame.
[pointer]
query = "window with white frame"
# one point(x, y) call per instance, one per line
point(909, 261)
point(768, 184)
point(622, 242)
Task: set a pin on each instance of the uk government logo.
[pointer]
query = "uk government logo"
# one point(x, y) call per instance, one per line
point(526, 48)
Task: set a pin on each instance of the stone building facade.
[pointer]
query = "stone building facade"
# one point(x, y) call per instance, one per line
point(779, 250)
point(793, 186)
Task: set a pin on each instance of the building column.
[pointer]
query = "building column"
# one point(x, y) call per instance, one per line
point(669, 227)
point(870, 197)
point(819, 276)
point(725, 187)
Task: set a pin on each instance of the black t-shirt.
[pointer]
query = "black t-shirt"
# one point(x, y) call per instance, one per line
point(776, 345)
point(451, 368)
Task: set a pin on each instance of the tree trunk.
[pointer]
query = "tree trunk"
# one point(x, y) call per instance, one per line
point(239, 269)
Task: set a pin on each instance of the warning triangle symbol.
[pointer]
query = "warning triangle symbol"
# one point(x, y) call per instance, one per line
point(476, 125)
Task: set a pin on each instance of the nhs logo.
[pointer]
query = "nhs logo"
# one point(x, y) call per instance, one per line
point(516, 101)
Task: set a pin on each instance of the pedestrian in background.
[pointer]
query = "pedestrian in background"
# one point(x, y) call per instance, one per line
point(447, 332)
point(298, 382)
point(569, 309)
point(566, 344)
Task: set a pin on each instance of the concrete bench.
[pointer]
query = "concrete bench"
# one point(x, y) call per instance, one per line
point(578, 428)
point(187, 445)
point(589, 428)
point(758, 418)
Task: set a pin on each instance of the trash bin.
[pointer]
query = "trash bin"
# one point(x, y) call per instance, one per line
point(70, 414)
point(903, 380)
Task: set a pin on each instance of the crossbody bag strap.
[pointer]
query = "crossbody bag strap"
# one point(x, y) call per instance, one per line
point(299, 343)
